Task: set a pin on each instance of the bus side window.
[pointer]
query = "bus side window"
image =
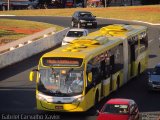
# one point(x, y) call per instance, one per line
point(107, 65)
point(112, 64)
point(118, 58)
point(143, 42)
point(95, 72)
point(103, 69)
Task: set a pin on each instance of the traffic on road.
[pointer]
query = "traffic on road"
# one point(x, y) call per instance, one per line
point(136, 89)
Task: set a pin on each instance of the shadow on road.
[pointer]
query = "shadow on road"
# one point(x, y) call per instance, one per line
point(22, 66)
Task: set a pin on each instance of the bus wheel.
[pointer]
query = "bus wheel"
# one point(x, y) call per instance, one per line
point(96, 100)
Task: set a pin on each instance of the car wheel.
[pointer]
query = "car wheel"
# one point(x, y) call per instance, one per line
point(72, 24)
point(79, 25)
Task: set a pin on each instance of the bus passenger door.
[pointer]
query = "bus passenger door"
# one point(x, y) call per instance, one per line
point(103, 76)
point(132, 59)
point(111, 71)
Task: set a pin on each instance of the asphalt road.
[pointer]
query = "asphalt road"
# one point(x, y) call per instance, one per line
point(17, 93)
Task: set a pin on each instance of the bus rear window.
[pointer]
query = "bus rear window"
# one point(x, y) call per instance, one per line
point(62, 62)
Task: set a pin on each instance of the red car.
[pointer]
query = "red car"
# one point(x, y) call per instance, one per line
point(119, 109)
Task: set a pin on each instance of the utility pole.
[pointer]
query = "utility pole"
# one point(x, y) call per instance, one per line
point(74, 3)
point(105, 2)
point(8, 4)
point(84, 3)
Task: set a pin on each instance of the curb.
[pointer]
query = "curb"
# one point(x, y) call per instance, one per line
point(156, 24)
point(146, 22)
point(6, 15)
point(25, 49)
point(120, 20)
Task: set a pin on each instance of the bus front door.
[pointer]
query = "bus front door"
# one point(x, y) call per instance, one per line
point(132, 59)
point(111, 72)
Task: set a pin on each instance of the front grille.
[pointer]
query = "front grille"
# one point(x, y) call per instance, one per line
point(156, 83)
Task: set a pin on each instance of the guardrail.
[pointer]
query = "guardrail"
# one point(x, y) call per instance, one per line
point(25, 47)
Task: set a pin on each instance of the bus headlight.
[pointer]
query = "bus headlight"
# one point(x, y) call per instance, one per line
point(39, 97)
point(78, 100)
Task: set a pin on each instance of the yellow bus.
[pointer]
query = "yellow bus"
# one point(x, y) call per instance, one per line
point(75, 77)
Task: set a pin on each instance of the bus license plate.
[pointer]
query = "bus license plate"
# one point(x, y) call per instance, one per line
point(58, 107)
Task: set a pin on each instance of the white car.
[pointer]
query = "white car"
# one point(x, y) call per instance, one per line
point(73, 34)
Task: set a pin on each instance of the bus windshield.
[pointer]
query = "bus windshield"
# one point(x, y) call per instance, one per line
point(74, 34)
point(61, 82)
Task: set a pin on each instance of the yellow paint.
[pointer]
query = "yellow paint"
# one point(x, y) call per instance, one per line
point(87, 48)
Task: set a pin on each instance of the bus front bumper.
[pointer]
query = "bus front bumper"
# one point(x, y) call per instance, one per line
point(43, 105)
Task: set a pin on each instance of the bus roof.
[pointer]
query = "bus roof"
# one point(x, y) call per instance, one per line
point(84, 47)
point(96, 42)
point(120, 30)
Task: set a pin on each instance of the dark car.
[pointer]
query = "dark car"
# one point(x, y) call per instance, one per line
point(119, 109)
point(83, 18)
point(154, 78)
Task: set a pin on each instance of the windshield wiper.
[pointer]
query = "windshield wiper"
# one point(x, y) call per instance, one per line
point(58, 91)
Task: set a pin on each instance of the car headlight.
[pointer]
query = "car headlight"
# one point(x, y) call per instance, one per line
point(82, 21)
point(78, 100)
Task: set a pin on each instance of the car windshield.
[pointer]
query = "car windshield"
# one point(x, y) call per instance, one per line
point(156, 71)
point(115, 109)
point(74, 34)
point(86, 15)
point(61, 81)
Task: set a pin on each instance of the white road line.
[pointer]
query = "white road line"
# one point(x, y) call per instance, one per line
point(17, 89)
point(6, 15)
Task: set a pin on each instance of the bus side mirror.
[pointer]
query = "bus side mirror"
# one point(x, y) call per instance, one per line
point(90, 77)
point(32, 75)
